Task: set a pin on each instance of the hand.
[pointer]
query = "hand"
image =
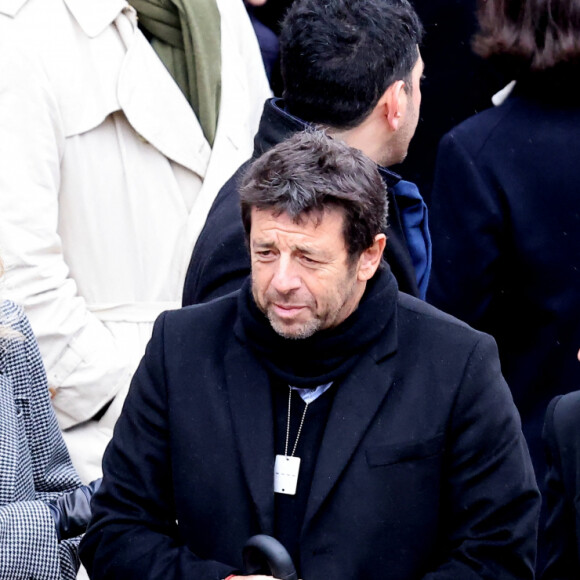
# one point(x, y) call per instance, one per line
point(72, 511)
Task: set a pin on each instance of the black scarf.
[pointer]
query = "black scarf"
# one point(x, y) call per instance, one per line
point(328, 354)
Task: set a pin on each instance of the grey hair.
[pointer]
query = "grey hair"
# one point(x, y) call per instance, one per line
point(310, 172)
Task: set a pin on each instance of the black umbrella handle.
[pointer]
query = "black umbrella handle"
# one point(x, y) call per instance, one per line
point(266, 555)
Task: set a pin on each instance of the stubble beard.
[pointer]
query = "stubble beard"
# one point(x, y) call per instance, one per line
point(307, 329)
point(312, 326)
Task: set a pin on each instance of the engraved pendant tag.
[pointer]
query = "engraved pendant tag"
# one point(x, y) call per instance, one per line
point(286, 471)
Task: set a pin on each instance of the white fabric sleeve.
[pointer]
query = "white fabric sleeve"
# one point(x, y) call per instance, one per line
point(81, 357)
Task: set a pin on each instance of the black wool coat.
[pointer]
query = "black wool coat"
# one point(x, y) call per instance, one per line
point(505, 223)
point(456, 85)
point(422, 473)
point(220, 261)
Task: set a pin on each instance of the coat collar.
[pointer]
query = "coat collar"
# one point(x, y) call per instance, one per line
point(356, 403)
point(11, 7)
point(277, 124)
point(251, 407)
point(157, 109)
point(95, 15)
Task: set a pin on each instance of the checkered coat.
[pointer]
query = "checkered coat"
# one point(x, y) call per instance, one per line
point(34, 462)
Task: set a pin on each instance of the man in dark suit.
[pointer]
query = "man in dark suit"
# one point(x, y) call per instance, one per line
point(370, 433)
point(350, 66)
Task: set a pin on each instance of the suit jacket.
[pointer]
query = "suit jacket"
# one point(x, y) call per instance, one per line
point(34, 463)
point(562, 439)
point(220, 261)
point(423, 471)
point(506, 238)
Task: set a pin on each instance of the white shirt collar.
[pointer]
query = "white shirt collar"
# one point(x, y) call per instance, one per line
point(11, 7)
point(94, 16)
point(310, 395)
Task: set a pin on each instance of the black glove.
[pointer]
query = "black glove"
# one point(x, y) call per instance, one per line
point(72, 511)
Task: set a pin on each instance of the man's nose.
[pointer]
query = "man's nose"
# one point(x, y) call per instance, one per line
point(286, 277)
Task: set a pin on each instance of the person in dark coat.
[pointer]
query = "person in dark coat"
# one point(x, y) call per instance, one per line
point(267, 38)
point(506, 211)
point(562, 441)
point(327, 49)
point(371, 434)
point(272, 13)
point(458, 83)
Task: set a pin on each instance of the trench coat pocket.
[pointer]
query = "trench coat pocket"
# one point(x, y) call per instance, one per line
point(381, 455)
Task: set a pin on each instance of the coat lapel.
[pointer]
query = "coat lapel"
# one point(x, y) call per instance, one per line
point(355, 405)
point(251, 407)
point(156, 108)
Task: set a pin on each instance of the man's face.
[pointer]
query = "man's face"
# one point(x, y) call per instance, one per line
point(409, 123)
point(301, 276)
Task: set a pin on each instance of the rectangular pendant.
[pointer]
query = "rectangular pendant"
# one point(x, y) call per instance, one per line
point(286, 471)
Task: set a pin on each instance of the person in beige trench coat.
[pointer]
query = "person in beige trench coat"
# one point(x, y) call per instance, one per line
point(106, 182)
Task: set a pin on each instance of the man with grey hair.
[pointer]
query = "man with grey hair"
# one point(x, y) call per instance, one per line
point(317, 405)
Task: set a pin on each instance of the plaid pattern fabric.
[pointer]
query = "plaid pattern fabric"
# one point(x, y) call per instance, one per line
point(34, 462)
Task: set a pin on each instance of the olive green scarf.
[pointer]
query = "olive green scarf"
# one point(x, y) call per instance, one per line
point(186, 36)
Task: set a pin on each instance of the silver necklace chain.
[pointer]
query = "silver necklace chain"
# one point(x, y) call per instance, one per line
point(288, 424)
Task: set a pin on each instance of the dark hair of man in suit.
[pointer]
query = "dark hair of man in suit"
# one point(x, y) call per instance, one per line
point(339, 57)
point(310, 172)
point(531, 35)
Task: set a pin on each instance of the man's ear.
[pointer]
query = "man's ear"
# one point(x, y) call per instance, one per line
point(370, 259)
point(393, 102)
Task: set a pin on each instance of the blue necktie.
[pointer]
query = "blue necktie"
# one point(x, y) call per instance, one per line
point(414, 220)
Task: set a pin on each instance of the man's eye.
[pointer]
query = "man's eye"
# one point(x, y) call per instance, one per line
point(309, 260)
